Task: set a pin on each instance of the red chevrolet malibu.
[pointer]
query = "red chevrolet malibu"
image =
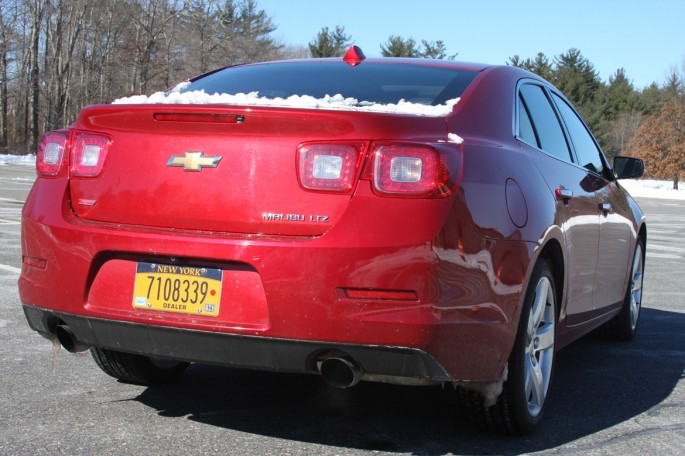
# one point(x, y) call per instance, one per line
point(395, 220)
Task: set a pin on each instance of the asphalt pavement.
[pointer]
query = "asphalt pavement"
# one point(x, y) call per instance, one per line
point(608, 398)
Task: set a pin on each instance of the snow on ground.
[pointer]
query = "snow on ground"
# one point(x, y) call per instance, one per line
point(647, 188)
point(18, 159)
point(641, 188)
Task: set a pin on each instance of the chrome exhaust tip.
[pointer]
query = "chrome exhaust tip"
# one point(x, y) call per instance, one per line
point(339, 372)
point(68, 339)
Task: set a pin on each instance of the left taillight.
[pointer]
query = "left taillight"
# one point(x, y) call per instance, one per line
point(412, 170)
point(329, 167)
point(50, 153)
point(88, 154)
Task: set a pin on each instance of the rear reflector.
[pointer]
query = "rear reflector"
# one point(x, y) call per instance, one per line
point(373, 294)
point(35, 262)
point(50, 153)
point(329, 167)
point(88, 154)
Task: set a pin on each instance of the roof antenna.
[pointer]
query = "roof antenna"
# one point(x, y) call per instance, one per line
point(354, 56)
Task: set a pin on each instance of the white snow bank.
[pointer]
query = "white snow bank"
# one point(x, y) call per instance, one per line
point(336, 102)
point(18, 159)
point(647, 188)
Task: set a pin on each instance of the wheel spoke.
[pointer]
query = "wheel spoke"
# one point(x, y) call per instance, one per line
point(634, 312)
point(637, 261)
point(636, 287)
point(545, 336)
point(538, 309)
point(535, 384)
point(528, 384)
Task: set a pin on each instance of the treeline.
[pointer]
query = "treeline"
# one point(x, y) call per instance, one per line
point(57, 56)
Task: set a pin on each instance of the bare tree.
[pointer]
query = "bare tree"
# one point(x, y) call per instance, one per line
point(37, 10)
point(64, 25)
point(8, 18)
point(623, 130)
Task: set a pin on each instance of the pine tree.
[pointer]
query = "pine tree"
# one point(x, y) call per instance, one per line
point(540, 65)
point(576, 77)
point(330, 43)
point(649, 98)
point(620, 96)
point(246, 32)
point(435, 50)
point(396, 46)
point(619, 113)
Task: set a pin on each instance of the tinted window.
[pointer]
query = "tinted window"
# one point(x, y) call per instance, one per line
point(545, 122)
point(526, 131)
point(589, 155)
point(371, 82)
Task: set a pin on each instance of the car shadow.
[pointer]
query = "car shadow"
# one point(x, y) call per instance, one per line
point(598, 384)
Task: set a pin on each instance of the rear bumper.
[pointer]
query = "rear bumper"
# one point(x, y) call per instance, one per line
point(377, 362)
point(289, 293)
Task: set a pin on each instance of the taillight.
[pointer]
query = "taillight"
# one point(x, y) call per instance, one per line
point(329, 167)
point(412, 170)
point(88, 153)
point(50, 153)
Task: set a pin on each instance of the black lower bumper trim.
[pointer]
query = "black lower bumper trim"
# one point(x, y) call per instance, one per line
point(252, 352)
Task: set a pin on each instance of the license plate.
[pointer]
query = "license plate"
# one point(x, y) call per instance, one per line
point(179, 289)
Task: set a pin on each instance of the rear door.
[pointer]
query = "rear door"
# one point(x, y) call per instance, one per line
point(614, 228)
point(539, 126)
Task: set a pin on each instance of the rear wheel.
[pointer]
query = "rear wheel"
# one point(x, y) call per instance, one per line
point(624, 325)
point(519, 408)
point(139, 369)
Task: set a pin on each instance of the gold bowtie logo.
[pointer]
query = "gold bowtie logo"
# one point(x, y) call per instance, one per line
point(194, 161)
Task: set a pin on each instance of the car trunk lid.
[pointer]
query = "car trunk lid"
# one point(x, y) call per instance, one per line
point(223, 169)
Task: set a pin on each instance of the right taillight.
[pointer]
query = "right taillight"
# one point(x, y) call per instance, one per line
point(413, 170)
point(50, 153)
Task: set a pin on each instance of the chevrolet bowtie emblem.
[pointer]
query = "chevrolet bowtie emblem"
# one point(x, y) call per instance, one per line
point(194, 161)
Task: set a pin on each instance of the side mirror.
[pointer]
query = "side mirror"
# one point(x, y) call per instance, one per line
point(628, 167)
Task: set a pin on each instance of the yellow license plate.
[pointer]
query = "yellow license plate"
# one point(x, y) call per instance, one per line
point(178, 289)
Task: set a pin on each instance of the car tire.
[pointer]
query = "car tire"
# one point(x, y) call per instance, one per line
point(138, 369)
point(624, 325)
point(519, 408)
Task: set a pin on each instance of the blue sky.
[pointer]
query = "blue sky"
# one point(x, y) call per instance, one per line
point(645, 37)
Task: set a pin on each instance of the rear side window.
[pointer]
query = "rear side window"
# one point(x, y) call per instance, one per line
point(526, 130)
point(368, 82)
point(550, 136)
point(589, 155)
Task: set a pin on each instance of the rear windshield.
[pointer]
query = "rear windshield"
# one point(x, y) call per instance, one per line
point(368, 82)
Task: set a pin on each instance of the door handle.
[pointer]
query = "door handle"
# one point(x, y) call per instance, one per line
point(605, 207)
point(564, 194)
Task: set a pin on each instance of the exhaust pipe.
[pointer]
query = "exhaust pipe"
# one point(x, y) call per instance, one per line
point(68, 339)
point(339, 372)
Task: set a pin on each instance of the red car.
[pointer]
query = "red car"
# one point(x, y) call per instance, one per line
point(394, 220)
